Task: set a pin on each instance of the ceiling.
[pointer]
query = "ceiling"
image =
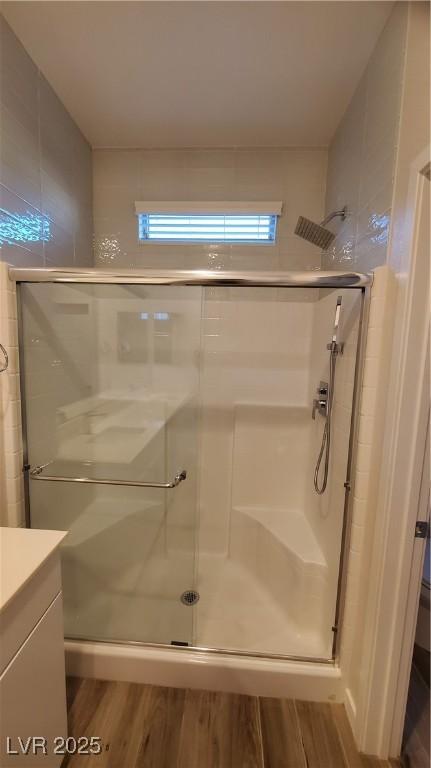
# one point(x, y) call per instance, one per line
point(189, 74)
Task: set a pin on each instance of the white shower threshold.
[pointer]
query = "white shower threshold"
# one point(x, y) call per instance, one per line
point(191, 668)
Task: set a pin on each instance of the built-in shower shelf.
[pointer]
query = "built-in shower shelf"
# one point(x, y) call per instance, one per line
point(291, 528)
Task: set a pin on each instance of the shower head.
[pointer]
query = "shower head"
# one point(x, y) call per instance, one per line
point(314, 233)
point(317, 234)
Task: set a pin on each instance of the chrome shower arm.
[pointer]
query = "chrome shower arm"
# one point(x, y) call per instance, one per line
point(342, 214)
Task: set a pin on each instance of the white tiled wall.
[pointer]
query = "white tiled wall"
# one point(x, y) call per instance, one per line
point(364, 169)
point(254, 384)
point(11, 483)
point(45, 169)
point(361, 162)
point(325, 512)
point(259, 447)
point(295, 176)
point(255, 343)
point(45, 220)
point(366, 475)
point(389, 287)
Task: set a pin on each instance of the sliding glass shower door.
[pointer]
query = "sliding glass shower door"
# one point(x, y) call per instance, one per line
point(111, 380)
point(175, 433)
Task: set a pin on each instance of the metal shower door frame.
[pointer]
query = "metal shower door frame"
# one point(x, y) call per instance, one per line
point(312, 279)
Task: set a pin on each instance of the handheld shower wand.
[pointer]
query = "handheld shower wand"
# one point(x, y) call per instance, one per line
point(325, 403)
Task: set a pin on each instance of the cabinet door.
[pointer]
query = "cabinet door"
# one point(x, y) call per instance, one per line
point(33, 693)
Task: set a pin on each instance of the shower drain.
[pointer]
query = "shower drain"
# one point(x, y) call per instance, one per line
point(190, 597)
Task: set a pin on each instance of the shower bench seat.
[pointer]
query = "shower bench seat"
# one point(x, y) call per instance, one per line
point(290, 528)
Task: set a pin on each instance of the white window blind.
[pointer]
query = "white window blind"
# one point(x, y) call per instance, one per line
point(208, 222)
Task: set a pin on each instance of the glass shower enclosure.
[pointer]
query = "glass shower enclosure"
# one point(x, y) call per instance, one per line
point(169, 428)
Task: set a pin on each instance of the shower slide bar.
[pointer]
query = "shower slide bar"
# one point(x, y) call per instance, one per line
point(310, 279)
point(36, 473)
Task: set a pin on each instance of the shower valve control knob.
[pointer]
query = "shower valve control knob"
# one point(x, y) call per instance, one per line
point(320, 403)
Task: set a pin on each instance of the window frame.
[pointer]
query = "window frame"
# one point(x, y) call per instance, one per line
point(189, 209)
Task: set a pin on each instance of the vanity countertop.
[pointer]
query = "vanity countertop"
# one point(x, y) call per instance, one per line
point(22, 552)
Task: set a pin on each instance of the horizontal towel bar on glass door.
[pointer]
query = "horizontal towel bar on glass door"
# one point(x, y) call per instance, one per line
point(36, 473)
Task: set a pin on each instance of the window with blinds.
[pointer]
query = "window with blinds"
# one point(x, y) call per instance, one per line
point(215, 228)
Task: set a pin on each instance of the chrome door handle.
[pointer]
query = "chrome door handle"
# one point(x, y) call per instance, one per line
point(36, 473)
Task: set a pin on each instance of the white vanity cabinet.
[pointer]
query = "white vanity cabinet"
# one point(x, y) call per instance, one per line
point(32, 672)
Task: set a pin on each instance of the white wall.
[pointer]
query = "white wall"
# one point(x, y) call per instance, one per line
point(384, 131)
point(234, 334)
point(256, 344)
point(360, 174)
point(11, 482)
point(368, 669)
point(295, 176)
point(414, 130)
point(372, 165)
point(45, 168)
point(364, 508)
point(46, 220)
point(362, 154)
point(325, 512)
point(256, 417)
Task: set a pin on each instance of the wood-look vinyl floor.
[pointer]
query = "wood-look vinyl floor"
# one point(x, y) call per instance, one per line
point(416, 747)
point(144, 726)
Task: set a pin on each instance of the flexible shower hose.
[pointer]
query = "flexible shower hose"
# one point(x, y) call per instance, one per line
point(320, 487)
